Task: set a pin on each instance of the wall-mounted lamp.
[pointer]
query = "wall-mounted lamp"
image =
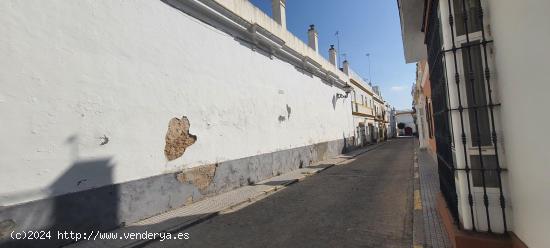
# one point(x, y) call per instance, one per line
point(346, 89)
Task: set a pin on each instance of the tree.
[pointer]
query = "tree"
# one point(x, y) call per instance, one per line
point(400, 125)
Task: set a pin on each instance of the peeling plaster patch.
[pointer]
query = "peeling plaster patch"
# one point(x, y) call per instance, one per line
point(6, 227)
point(178, 138)
point(201, 176)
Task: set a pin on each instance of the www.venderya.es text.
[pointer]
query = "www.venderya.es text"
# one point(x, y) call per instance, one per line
point(96, 235)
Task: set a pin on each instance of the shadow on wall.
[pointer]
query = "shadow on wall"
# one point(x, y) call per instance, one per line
point(83, 210)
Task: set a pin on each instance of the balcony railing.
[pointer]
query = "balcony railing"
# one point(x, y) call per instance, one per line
point(362, 109)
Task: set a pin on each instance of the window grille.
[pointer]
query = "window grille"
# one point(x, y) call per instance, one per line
point(475, 109)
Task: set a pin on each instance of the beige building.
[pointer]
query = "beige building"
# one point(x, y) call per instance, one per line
point(368, 110)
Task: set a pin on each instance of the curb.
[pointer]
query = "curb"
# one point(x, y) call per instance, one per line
point(418, 220)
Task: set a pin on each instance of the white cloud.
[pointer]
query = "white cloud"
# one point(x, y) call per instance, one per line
point(397, 88)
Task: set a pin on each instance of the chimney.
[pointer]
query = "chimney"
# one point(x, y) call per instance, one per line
point(313, 40)
point(376, 90)
point(278, 7)
point(332, 55)
point(346, 67)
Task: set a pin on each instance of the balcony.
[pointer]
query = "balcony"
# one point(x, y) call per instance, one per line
point(362, 110)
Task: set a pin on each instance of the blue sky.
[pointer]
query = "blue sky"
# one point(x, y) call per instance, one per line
point(365, 26)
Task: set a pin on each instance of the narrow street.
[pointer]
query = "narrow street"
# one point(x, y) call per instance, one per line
point(366, 202)
point(274, 123)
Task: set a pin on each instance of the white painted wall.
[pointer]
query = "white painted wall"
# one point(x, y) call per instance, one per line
point(406, 118)
point(521, 33)
point(74, 71)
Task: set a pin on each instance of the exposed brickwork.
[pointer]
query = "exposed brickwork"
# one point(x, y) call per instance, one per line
point(178, 138)
point(201, 176)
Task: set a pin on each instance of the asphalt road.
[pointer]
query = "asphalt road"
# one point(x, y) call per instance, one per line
point(364, 203)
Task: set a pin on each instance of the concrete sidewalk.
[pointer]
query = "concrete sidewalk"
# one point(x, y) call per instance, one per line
point(186, 216)
point(433, 233)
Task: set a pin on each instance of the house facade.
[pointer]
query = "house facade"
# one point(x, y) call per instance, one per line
point(422, 102)
point(389, 120)
point(368, 110)
point(392, 122)
point(486, 74)
point(406, 119)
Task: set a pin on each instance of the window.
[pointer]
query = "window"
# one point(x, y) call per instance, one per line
point(489, 166)
point(472, 10)
point(429, 117)
point(476, 94)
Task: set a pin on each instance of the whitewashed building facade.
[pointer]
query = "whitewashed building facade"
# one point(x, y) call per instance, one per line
point(487, 71)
